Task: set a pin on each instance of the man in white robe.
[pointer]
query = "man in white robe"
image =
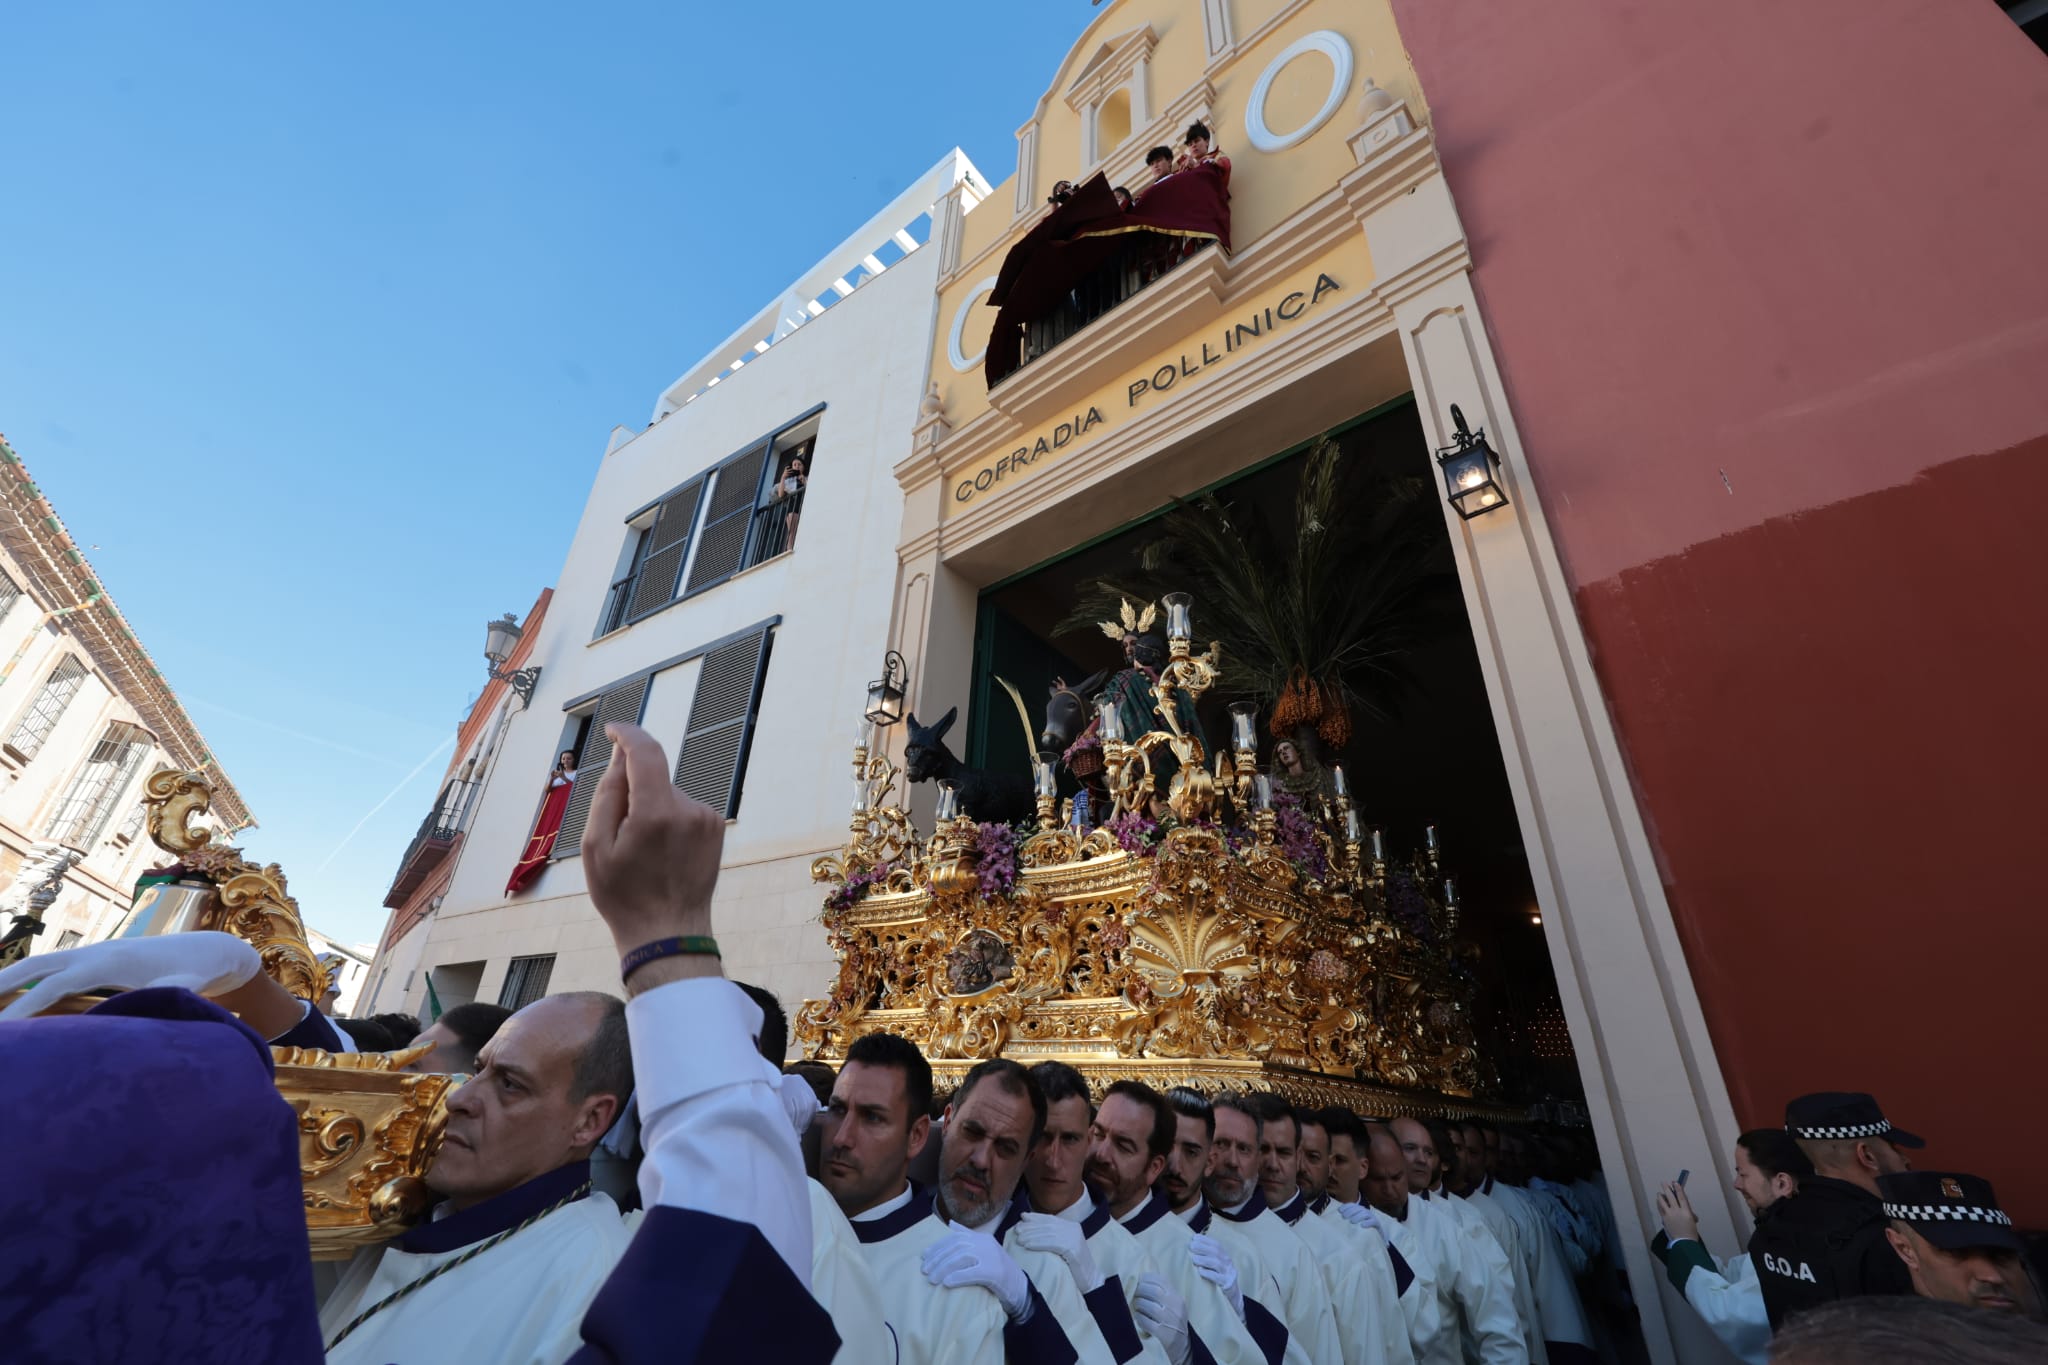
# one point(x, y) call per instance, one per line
point(1341, 1205)
point(1567, 1336)
point(521, 1244)
point(842, 1283)
point(1067, 1220)
point(1450, 1188)
point(1242, 1274)
point(1244, 1222)
point(1332, 1250)
point(877, 1121)
point(1450, 1305)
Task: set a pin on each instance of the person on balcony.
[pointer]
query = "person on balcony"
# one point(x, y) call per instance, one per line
point(541, 845)
point(789, 491)
point(1200, 150)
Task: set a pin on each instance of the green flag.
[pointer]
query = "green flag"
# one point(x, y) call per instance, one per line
point(433, 1000)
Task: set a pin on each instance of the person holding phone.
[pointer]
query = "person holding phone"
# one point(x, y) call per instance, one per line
point(789, 491)
point(1726, 1293)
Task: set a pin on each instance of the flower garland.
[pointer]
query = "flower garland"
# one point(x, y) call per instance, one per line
point(855, 888)
point(995, 859)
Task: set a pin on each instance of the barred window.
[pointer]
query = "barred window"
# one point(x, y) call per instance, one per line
point(48, 707)
point(10, 593)
point(132, 826)
point(526, 981)
point(81, 817)
point(68, 939)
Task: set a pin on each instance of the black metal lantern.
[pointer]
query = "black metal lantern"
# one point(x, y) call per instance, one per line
point(885, 694)
point(501, 637)
point(1471, 471)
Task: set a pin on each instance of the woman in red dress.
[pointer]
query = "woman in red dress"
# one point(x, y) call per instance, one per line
point(542, 843)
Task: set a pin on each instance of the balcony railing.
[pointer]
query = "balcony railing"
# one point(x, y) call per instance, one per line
point(436, 839)
point(1144, 260)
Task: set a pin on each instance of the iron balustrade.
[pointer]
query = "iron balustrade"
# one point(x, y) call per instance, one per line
point(1137, 263)
point(436, 837)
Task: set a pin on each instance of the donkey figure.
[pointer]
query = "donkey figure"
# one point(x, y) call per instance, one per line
point(1068, 711)
point(992, 798)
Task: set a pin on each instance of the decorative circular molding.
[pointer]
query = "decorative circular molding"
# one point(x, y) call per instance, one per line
point(1331, 45)
point(965, 363)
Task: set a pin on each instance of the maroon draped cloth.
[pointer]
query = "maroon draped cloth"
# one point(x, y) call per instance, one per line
point(1089, 231)
point(542, 842)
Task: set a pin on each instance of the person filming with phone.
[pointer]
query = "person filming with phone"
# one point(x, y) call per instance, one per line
point(1726, 1293)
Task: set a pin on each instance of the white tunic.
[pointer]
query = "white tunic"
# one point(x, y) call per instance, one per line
point(1501, 1228)
point(1381, 1289)
point(1304, 1299)
point(1726, 1295)
point(1338, 1257)
point(1116, 1253)
point(1056, 1285)
point(1452, 1299)
point(1562, 1315)
point(1163, 1239)
point(842, 1282)
point(520, 1303)
point(933, 1326)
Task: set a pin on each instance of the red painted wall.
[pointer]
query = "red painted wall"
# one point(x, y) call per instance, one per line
point(1769, 292)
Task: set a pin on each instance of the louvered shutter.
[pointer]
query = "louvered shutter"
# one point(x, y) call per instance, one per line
point(621, 704)
point(668, 545)
point(723, 545)
point(713, 757)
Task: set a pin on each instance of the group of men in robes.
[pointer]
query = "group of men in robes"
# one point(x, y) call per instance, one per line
point(1162, 1226)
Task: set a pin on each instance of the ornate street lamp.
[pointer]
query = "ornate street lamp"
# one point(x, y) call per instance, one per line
point(1471, 471)
point(885, 694)
point(501, 637)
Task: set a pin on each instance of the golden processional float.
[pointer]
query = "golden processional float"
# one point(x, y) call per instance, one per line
point(1209, 932)
point(368, 1130)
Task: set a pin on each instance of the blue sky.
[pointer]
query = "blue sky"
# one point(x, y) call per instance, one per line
point(348, 297)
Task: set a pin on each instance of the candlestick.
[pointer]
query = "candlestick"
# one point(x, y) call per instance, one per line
point(1180, 609)
point(1379, 844)
point(949, 802)
point(1262, 791)
point(1450, 894)
point(1337, 780)
point(1351, 828)
point(1429, 837)
point(864, 738)
point(1244, 727)
point(1112, 723)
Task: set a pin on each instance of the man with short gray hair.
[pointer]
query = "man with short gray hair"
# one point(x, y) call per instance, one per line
point(521, 1244)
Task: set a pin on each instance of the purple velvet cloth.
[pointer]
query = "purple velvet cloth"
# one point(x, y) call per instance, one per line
point(151, 1203)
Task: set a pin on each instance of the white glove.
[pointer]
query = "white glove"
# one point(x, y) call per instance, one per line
point(1360, 1216)
point(965, 1257)
point(1064, 1239)
point(207, 962)
point(1213, 1264)
point(1163, 1315)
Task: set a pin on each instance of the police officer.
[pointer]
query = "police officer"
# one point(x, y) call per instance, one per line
point(1828, 1242)
point(1955, 1241)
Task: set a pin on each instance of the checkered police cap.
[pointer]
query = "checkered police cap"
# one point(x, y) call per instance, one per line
point(1839, 1115)
point(1935, 1213)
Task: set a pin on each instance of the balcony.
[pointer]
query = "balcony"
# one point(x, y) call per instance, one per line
point(438, 835)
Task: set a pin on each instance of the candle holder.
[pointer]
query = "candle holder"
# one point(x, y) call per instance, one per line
point(1379, 856)
point(1351, 843)
point(1429, 839)
point(1180, 616)
point(1046, 786)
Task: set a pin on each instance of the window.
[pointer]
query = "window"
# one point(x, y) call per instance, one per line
point(729, 520)
point(10, 593)
point(526, 981)
point(68, 939)
point(132, 826)
point(593, 756)
point(775, 518)
point(81, 817)
point(654, 566)
point(48, 707)
point(711, 762)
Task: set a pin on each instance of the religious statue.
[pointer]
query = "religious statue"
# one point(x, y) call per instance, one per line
point(33, 891)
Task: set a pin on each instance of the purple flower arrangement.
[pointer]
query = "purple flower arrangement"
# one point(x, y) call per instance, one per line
point(1135, 832)
point(1407, 907)
point(995, 859)
point(1294, 832)
point(856, 887)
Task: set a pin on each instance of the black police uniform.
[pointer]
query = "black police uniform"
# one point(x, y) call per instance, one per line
point(1827, 1242)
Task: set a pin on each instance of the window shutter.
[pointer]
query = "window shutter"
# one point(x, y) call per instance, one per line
point(729, 520)
point(623, 704)
point(713, 757)
point(668, 545)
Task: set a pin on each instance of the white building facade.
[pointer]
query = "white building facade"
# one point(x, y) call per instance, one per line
point(85, 718)
point(740, 636)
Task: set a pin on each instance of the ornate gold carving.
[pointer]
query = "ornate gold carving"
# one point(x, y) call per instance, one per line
point(368, 1132)
point(251, 901)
